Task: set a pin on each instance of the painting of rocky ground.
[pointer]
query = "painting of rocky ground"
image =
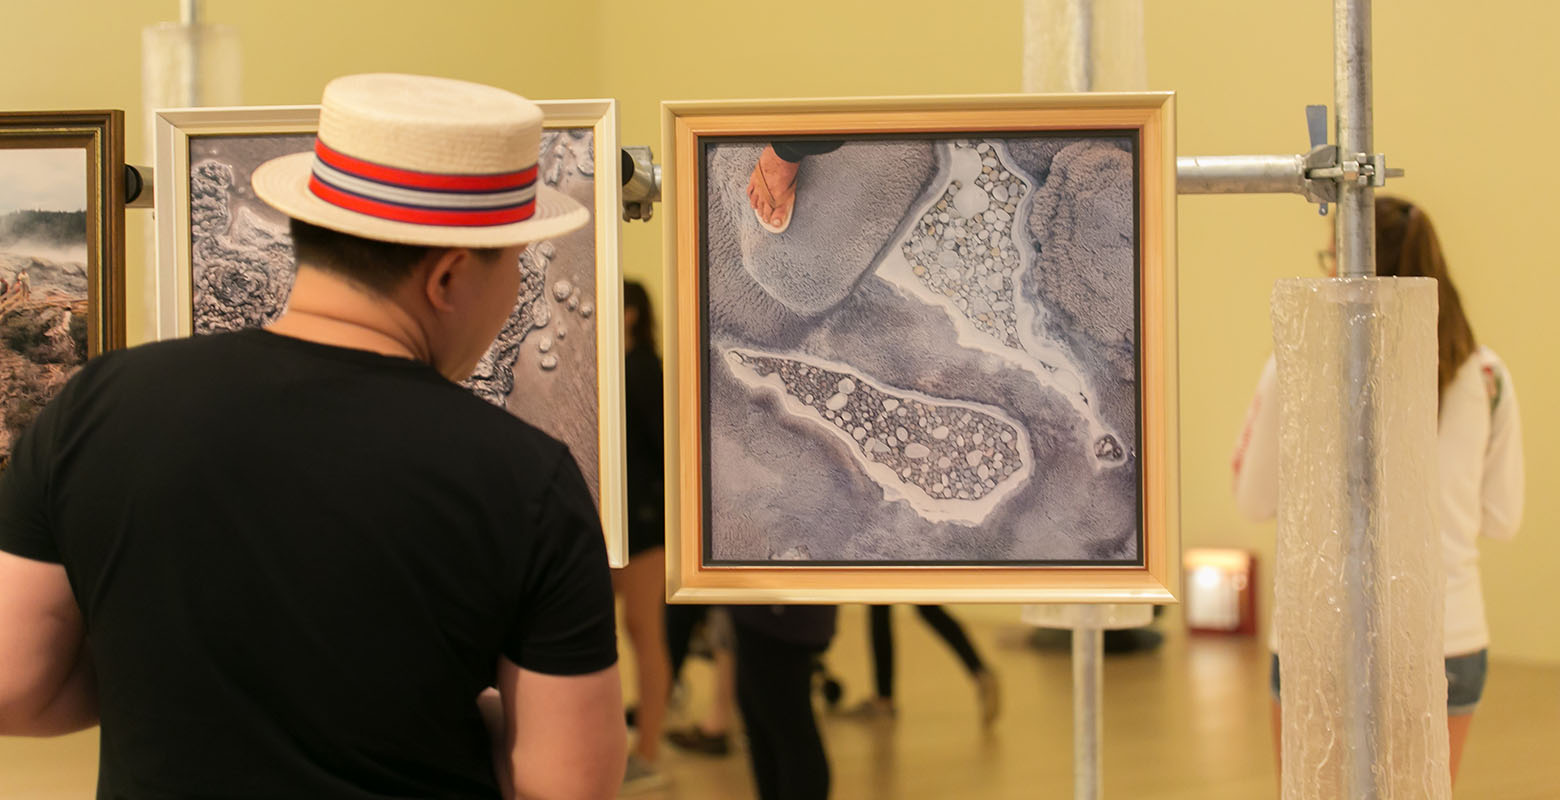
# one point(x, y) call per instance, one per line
point(43, 313)
point(934, 363)
point(241, 264)
point(543, 365)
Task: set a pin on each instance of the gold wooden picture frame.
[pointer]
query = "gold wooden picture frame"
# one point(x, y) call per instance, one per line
point(941, 370)
point(62, 253)
point(574, 284)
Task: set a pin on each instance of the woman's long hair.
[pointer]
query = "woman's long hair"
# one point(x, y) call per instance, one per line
point(643, 332)
point(1407, 247)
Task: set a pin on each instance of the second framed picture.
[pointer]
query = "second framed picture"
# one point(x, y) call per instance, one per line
point(922, 349)
point(225, 263)
point(62, 255)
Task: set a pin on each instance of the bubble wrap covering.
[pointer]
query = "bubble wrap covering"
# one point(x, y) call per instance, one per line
point(1084, 45)
point(1359, 617)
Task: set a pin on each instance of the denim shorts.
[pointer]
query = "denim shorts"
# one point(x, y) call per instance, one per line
point(1464, 681)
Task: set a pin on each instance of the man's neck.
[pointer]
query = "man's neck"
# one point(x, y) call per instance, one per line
point(332, 310)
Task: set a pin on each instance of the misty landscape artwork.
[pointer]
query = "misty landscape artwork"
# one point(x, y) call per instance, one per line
point(936, 361)
point(543, 365)
point(43, 281)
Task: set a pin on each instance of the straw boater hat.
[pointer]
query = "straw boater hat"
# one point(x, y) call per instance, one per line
point(424, 161)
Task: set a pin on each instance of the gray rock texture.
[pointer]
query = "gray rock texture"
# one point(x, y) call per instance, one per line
point(241, 263)
point(947, 451)
point(1083, 221)
point(961, 248)
point(848, 203)
point(543, 366)
point(494, 378)
point(781, 483)
point(242, 268)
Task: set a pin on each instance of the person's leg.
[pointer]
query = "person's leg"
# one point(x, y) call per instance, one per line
point(642, 585)
point(880, 622)
point(681, 620)
point(953, 634)
point(880, 627)
point(797, 149)
point(781, 707)
point(754, 683)
point(1465, 677)
point(711, 735)
point(988, 690)
point(1457, 728)
point(804, 763)
point(1278, 742)
point(718, 720)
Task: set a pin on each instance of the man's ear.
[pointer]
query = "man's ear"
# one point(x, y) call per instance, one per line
point(444, 265)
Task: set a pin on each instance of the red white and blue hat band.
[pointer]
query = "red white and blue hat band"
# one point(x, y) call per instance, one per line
point(422, 198)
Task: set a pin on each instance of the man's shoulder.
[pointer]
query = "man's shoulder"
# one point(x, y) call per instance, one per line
point(252, 363)
point(188, 353)
point(501, 432)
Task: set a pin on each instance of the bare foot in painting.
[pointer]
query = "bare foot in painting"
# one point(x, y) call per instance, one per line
point(772, 190)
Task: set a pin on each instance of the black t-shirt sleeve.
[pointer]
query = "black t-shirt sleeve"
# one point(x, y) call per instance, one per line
point(25, 529)
point(565, 624)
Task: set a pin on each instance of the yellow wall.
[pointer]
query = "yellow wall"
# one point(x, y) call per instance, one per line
point(1458, 98)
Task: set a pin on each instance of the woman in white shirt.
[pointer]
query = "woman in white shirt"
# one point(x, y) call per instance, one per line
point(1480, 457)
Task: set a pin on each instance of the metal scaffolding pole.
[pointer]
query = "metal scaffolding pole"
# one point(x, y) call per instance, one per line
point(1241, 175)
point(1346, 172)
point(1088, 640)
point(1352, 90)
point(1088, 645)
point(1356, 246)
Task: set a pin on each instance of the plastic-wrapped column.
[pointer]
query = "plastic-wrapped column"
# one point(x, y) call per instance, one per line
point(1084, 46)
point(1360, 583)
point(184, 66)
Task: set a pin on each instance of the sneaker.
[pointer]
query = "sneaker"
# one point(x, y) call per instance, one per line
point(695, 740)
point(642, 777)
point(871, 709)
point(990, 693)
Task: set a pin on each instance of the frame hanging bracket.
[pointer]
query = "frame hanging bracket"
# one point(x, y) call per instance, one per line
point(641, 183)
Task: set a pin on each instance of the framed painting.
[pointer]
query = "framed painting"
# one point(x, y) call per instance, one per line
point(922, 349)
point(62, 254)
point(224, 262)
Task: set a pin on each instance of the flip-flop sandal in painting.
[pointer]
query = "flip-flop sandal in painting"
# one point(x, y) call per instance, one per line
point(769, 197)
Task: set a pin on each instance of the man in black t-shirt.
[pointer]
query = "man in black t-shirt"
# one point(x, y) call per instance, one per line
point(291, 562)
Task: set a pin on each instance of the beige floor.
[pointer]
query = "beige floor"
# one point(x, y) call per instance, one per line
point(1189, 721)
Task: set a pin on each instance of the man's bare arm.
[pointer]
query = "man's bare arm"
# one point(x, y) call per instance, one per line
point(47, 687)
point(565, 734)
